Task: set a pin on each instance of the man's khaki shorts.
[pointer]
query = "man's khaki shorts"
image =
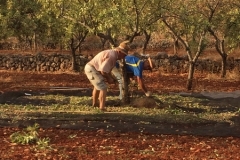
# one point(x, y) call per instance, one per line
point(95, 77)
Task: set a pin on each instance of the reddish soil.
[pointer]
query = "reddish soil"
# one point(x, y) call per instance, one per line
point(80, 144)
point(103, 144)
point(74, 144)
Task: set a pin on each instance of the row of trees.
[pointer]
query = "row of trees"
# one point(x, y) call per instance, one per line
point(69, 22)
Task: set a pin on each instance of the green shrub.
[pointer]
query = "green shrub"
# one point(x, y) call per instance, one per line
point(27, 136)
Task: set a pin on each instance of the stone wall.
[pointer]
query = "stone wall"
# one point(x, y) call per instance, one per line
point(176, 64)
point(62, 62)
point(40, 62)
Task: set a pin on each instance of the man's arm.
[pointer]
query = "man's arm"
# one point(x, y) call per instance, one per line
point(141, 84)
point(108, 76)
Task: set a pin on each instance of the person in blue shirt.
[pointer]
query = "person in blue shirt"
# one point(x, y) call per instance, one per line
point(134, 67)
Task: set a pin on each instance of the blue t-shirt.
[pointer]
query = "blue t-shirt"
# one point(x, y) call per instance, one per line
point(134, 65)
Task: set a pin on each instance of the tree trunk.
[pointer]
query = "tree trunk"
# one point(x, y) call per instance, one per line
point(147, 38)
point(126, 97)
point(74, 68)
point(34, 43)
point(175, 46)
point(220, 47)
point(132, 37)
point(190, 75)
point(224, 65)
point(106, 37)
point(73, 52)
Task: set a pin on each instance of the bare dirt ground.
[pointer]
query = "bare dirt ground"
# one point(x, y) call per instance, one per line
point(127, 141)
point(100, 143)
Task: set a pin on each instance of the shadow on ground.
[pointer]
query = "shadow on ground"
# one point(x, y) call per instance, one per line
point(121, 122)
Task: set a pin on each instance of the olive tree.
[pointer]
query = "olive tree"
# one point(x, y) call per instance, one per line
point(3, 20)
point(24, 21)
point(223, 17)
point(185, 21)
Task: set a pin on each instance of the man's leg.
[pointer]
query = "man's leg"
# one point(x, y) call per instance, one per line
point(116, 73)
point(100, 87)
point(102, 99)
point(95, 95)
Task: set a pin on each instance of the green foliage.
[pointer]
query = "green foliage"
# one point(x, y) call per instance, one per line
point(23, 17)
point(43, 144)
point(22, 138)
point(30, 136)
point(59, 21)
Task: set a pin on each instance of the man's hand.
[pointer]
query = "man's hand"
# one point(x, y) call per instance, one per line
point(110, 80)
point(148, 93)
point(108, 77)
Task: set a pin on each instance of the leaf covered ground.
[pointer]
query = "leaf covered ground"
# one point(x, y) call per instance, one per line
point(105, 142)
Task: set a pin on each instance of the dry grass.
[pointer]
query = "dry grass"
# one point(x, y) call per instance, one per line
point(234, 75)
point(231, 76)
point(7, 79)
